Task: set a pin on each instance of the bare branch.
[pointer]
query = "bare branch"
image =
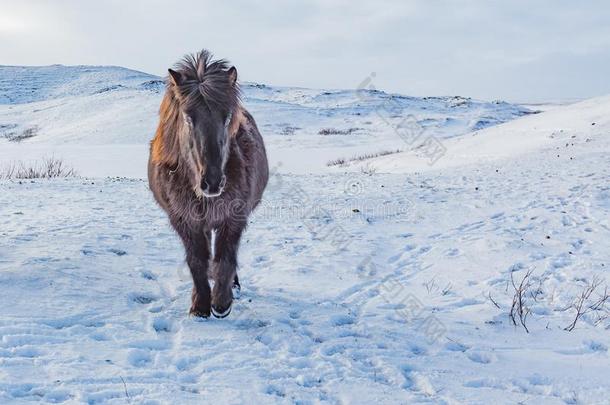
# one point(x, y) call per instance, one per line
point(519, 310)
point(583, 306)
point(493, 301)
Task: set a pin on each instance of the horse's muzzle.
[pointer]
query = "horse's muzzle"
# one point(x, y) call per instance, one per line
point(212, 187)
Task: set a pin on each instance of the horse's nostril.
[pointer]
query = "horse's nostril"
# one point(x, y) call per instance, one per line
point(213, 185)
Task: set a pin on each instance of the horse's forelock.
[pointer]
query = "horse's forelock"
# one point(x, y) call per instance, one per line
point(206, 81)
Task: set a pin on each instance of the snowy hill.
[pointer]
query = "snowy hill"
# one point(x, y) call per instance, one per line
point(382, 280)
point(25, 84)
point(556, 130)
point(71, 110)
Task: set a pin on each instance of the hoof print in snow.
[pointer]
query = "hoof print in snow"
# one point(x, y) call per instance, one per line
point(139, 358)
point(148, 275)
point(162, 325)
point(342, 320)
point(118, 252)
point(480, 357)
point(143, 299)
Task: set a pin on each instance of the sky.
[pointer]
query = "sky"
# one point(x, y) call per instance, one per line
point(521, 51)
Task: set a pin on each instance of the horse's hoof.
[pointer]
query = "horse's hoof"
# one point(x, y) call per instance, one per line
point(221, 314)
point(198, 313)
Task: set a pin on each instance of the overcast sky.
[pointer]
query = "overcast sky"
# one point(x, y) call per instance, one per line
point(514, 50)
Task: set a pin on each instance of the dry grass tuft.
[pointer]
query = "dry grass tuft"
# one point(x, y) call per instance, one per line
point(48, 168)
point(335, 131)
point(360, 158)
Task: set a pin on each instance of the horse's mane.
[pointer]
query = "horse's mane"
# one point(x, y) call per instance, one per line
point(203, 81)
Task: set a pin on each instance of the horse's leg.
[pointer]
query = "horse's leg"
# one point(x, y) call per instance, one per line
point(197, 246)
point(225, 267)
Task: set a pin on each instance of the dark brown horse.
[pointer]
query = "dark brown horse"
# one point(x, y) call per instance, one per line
point(208, 170)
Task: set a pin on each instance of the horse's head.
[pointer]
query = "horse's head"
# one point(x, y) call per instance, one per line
point(207, 96)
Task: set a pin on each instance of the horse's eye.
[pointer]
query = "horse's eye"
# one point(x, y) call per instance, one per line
point(228, 120)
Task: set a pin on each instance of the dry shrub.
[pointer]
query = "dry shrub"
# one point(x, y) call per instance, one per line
point(360, 158)
point(335, 131)
point(47, 168)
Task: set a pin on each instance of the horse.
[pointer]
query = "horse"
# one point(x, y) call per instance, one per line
point(207, 170)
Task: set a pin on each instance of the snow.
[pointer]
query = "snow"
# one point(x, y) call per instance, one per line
point(556, 129)
point(77, 112)
point(358, 286)
point(27, 84)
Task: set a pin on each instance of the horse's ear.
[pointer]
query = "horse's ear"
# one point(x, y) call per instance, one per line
point(232, 75)
point(175, 77)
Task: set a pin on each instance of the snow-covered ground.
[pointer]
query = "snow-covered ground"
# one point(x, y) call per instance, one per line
point(104, 129)
point(381, 281)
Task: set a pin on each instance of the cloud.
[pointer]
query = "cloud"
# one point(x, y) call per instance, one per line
point(514, 50)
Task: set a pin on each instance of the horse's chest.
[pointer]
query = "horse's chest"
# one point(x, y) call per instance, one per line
point(187, 209)
point(207, 213)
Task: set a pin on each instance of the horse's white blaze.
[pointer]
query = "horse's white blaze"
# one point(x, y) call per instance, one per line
point(227, 142)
